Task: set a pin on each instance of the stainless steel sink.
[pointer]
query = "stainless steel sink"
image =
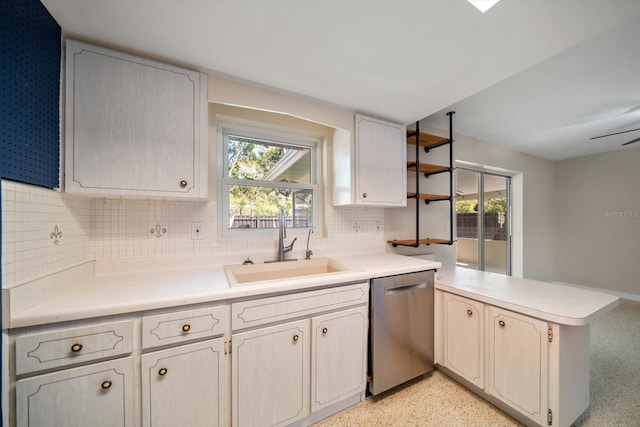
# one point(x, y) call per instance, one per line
point(240, 274)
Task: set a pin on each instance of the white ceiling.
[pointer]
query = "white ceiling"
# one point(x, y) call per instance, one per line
point(406, 60)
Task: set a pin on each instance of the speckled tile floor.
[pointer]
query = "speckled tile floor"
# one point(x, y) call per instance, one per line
point(436, 400)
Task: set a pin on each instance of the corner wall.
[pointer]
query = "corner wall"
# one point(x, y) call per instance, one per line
point(598, 221)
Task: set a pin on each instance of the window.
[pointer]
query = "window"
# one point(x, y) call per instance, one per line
point(265, 171)
point(483, 213)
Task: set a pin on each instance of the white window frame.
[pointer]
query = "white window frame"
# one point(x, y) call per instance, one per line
point(263, 131)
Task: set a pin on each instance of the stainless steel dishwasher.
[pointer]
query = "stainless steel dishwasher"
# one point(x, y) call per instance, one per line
point(401, 329)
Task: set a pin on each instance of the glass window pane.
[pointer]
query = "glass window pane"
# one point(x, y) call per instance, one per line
point(467, 226)
point(258, 207)
point(495, 223)
point(255, 159)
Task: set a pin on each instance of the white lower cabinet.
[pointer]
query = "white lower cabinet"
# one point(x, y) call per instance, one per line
point(338, 359)
point(270, 375)
point(99, 395)
point(517, 372)
point(535, 370)
point(185, 386)
point(463, 346)
point(289, 359)
point(311, 364)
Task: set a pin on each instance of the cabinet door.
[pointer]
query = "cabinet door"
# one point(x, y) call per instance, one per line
point(133, 126)
point(518, 363)
point(463, 351)
point(99, 395)
point(381, 177)
point(270, 375)
point(338, 360)
point(185, 386)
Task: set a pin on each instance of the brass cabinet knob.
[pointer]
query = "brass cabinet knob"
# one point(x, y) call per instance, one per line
point(106, 384)
point(76, 347)
point(183, 183)
point(186, 327)
point(469, 312)
point(162, 372)
point(501, 323)
point(296, 338)
point(325, 330)
point(364, 195)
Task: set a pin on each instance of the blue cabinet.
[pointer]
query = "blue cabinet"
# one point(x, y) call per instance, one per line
point(30, 93)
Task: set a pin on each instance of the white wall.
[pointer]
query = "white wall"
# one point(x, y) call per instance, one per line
point(538, 222)
point(598, 220)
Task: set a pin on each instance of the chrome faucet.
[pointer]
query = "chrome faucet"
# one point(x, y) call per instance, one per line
point(282, 234)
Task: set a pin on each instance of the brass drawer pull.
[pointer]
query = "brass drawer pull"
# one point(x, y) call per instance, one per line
point(186, 327)
point(364, 195)
point(162, 372)
point(295, 338)
point(501, 323)
point(183, 183)
point(76, 347)
point(106, 384)
point(325, 330)
point(469, 312)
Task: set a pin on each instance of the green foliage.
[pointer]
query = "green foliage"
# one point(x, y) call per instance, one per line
point(466, 206)
point(252, 160)
point(498, 204)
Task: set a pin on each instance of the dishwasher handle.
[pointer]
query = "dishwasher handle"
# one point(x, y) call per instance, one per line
point(404, 288)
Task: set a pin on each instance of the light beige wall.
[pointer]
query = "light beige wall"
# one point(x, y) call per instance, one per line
point(538, 217)
point(598, 220)
point(231, 92)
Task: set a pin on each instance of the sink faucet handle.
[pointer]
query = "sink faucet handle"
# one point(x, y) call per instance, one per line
point(308, 253)
point(290, 246)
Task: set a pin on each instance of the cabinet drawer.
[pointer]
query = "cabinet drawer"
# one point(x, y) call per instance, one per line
point(72, 346)
point(182, 326)
point(262, 311)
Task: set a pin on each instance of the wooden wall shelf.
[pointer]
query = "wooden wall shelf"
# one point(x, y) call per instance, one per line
point(395, 243)
point(428, 142)
point(429, 197)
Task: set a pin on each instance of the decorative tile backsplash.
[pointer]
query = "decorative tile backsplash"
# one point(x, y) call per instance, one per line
point(86, 229)
point(42, 231)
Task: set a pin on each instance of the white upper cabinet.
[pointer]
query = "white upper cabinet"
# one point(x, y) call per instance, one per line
point(371, 171)
point(133, 126)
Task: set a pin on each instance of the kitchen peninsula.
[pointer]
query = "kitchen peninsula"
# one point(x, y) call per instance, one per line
point(522, 344)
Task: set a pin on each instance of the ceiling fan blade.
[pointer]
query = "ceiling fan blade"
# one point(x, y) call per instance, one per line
point(631, 142)
point(616, 133)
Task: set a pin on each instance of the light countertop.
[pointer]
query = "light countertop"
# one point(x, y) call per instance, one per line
point(97, 289)
point(565, 305)
point(147, 285)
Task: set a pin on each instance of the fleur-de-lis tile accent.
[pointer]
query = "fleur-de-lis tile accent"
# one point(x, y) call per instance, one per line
point(56, 235)
point(158, 230)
